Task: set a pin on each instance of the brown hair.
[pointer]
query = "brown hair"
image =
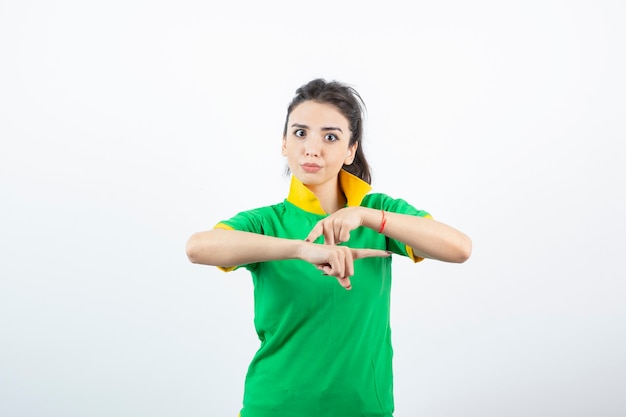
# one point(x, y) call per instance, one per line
point(350, 104)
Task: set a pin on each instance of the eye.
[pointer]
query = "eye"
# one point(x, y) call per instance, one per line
point(300, 133)
point(331, 137)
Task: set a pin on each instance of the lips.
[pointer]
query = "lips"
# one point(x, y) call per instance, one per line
point(309, 167)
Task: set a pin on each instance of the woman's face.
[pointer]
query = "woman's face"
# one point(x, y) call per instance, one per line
point(317, 143)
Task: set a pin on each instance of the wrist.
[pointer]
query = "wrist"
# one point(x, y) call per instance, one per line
point(371, 219)
point(299, 249)
point(383, 222)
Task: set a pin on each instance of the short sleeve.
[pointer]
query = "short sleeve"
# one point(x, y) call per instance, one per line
point(246, 221)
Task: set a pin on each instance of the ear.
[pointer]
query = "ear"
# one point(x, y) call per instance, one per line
point(284, 146)
point(351, 154)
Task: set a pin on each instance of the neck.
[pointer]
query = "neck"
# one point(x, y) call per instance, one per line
point(330, 196)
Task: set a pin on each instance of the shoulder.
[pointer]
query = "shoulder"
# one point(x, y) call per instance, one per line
point(255, 219)
point(374, 200)
point(383, 201)
point(268, 209)
point(264, 212)
point(378, 201)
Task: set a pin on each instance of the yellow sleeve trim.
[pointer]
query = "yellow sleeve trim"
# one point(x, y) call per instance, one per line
point(409, 251)
point(225, 227)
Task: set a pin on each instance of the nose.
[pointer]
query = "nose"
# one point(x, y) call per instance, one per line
point(312, 146)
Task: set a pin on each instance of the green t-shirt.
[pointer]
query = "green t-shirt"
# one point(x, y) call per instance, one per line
point(325, 351)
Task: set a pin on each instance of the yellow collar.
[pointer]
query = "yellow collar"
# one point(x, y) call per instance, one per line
point(353, 187)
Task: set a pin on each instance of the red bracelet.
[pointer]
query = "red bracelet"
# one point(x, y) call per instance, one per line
point(383, 222)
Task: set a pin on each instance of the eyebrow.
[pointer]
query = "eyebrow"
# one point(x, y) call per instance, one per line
point(324, 128)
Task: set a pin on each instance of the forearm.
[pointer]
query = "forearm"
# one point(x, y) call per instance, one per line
point(428, 238)
point(226, 248)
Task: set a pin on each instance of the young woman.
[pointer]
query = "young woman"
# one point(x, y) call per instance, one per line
point(325, 348)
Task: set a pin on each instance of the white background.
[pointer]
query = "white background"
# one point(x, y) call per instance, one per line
point(126, 126)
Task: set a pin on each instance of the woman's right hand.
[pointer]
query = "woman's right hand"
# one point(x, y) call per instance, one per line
point(337, 261)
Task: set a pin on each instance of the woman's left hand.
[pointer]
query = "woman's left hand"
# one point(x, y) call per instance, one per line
point(336, 228)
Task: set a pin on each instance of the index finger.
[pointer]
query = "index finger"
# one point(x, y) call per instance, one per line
point(369, 253)
point(316, 232)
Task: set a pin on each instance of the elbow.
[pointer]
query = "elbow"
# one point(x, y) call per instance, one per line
point(193, 249)
point(464, 250)
point(204, 247)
